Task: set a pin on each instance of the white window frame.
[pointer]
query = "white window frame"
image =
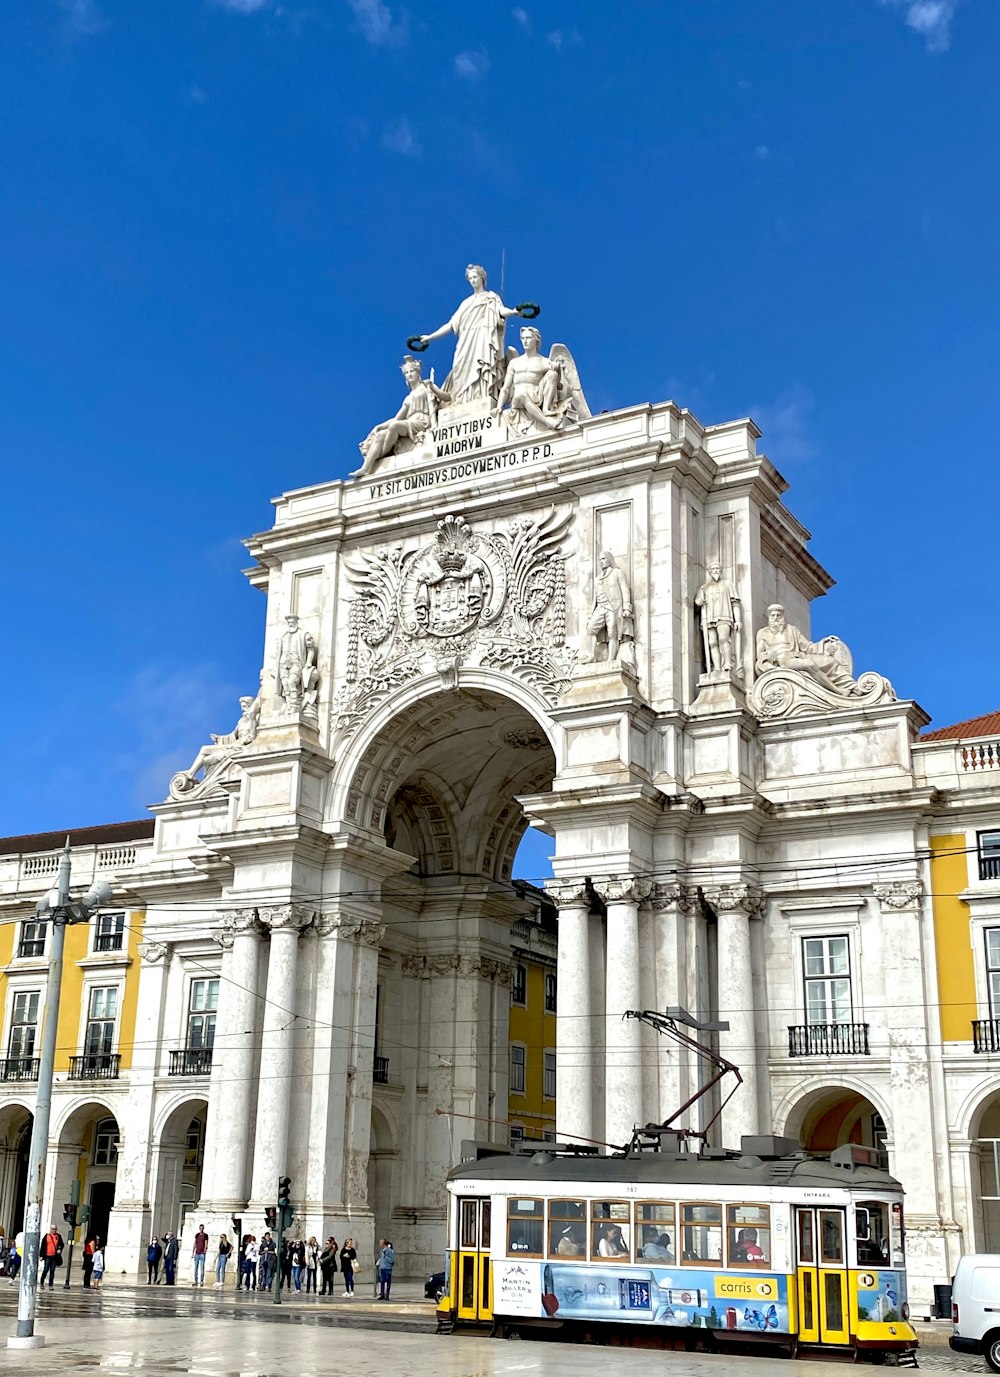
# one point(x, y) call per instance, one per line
point(45, 926)
point(15, 995)
point(190, 1013)
point(990, 853)
point(119, 931)
point(827, 978)
point(519, 1047)
point(549, 1073)
point(88, 990)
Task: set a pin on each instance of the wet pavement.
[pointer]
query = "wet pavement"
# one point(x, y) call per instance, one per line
point(207, 1333)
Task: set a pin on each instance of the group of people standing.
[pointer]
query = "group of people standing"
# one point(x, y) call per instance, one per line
point(50, 1255)
point(303, 1262)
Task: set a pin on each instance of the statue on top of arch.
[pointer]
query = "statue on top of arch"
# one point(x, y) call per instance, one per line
point(527, 392)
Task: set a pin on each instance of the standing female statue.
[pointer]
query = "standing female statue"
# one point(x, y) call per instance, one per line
point(479, 323)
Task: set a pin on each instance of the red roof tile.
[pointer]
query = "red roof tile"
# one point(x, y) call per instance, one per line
point(987, 725)
point(103, 835)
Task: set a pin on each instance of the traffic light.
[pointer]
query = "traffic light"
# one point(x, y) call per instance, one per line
point(285, 1202)
point(69, 1214)
point(270, 1217)
point(84, 1214)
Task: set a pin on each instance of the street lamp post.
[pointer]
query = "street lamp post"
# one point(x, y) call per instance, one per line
point(61, 911)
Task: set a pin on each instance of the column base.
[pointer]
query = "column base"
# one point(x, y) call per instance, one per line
point(29, 1341)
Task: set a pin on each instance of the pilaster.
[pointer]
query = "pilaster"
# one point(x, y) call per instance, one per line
point(734, 906)
point(574, 1069)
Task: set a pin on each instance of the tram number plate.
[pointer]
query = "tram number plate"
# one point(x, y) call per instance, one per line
point(635, 1295)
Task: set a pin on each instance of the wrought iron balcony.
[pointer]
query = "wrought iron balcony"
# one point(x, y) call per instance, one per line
point(986, 1035)
point(191, 1061)
point(19, 1069)
point(989, 867)
point(828, 1040)
point(380, 1071)
point(95, 1066)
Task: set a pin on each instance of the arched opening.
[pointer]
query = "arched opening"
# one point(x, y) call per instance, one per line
point(381, 1158)
point(985, 1171)
point(178, 1160)
point(89, 1146)
point(15, 1142)
point(828, 1117)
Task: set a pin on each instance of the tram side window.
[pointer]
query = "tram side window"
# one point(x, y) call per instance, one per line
point(748, 1235)
point(567, 1228)
point(871, 1219)
point(524, 1227)
point(655, 1230)
point(609, 1235)
point(701, 1233)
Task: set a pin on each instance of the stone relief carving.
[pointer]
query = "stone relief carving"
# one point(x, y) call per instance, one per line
point(615, 889)
point(721, 612)
point(214, 758)
point(297, 686)
point(568, 892)
point(152, 952)
point(412, 421)
point(278, 916)
point(540, 393)
point(730, 897)
point(479, 325)
point(798, 677)
point(494, 597)
point(899, 894)
point(611, 624)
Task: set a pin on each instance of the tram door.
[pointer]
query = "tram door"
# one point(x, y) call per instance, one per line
point(475, 1280)
point(821, 1255)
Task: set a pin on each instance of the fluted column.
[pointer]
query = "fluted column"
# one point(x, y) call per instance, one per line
point(734, 905)
point(623, 1107)
point(574, 1039)
point(224, 1178)
point(368, 934)
point(285, 922)
point(668, 963)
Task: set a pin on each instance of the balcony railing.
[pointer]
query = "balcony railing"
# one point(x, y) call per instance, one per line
point(989, 867)
point(19, 1069)
point(828, 1040)
point(108, 941)
point(191, 1061)
point(95, 1066)
point(380, 1071)
point(986, 1035)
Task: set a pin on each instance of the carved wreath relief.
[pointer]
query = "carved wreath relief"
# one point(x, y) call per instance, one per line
point(493, 598)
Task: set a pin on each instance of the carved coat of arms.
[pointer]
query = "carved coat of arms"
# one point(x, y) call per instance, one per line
point(492, 597)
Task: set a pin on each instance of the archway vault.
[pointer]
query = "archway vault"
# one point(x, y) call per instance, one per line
point(439, 779)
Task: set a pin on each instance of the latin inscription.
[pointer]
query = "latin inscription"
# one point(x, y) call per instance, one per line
point(467, 468)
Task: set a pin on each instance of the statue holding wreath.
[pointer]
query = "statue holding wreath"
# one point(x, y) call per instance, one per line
point(479, 323)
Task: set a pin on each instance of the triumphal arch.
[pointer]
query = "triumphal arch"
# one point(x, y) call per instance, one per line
point(515, 610)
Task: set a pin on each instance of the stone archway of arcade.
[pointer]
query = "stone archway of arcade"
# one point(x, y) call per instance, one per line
point(85, 1156)
point(15, 1140)
point(982, 1179)
point(441, 781)
point(828, 1118)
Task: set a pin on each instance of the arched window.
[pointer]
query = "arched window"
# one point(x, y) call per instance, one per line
point(105, 1143)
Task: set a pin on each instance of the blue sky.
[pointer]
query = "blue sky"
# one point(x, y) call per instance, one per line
point(222, 218)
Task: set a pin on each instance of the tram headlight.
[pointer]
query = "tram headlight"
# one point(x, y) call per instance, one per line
point(904, 1310)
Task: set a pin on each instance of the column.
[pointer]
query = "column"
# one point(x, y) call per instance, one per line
point(228, 1131)
point(623, 1037)
point(733, 905)
point(325, 1191)
point(669, 1058)
point(574, 1070)
point(284, 922)
point(367, 934)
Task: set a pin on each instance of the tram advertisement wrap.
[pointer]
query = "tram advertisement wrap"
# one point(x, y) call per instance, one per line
point(645, 1295)
point(880, 1295)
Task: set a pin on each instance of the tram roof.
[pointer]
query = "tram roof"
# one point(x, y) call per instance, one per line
point(680, 1169)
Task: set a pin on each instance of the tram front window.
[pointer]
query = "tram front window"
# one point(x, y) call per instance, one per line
point(872, 1232)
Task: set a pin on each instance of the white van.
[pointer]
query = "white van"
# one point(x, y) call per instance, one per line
point(975, 1307)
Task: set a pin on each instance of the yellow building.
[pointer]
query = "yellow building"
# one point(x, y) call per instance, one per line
point(532, 1086)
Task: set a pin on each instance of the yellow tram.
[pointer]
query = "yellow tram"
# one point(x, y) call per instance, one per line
point(767, 1246)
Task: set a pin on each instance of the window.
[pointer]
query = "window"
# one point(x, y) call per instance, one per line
point(550, 992)
point(655, 1230)
point(32, 941)
point(23, 1025)
point(203, 1002)
point(109, 932)
point(516, 1070)
point(516, 1136)
point(701, 1233)
point(988, 844)
point(610, 1232)
point(549, 1075)
point(748, 1235)
point(827, 971)
point(519, 985)
point(192, 1144)
point(568, 1229)
point(106, 1143)
point(524, 1227)
point(101, 1012)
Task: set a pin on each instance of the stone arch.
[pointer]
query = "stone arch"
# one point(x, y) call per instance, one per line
point(824, 1115)
point(77, 1115)
point(89, 1137)
point(382, 1157)
point(980, 1118)
point(177, 1160)
point(978, 1105)
point(16, 1120)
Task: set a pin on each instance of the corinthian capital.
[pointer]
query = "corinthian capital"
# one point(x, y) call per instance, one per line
point(240, 920)
point(899, 894)
point(152, 952)
point(664, 896)
point(284, 917)
point(615, 889)
point(224, 937)
point(564, 892)
point(730, 898)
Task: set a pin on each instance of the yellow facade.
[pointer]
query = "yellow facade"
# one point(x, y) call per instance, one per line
point(533, 1028)
point(953, 949)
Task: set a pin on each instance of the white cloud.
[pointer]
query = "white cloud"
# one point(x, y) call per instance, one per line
point(762, 152)
point(399, 137)
point(930, 18)
point(472, 66)
point(561, 38)
point(245, 6)
point(377, 24)
point(785, 425)
point(83, 18)
point(520, 17)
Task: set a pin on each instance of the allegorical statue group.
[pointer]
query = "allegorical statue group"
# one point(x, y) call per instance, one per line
point(528, 392)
